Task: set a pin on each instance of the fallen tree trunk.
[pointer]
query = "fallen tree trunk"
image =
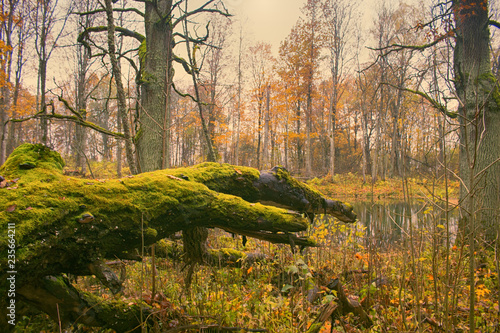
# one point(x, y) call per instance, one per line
point(53, 224)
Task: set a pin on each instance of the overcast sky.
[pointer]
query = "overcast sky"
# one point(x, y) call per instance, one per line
point(267, 20)
point(271, 21)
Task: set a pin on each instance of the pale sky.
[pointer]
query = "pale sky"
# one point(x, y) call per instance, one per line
point(267, 20)
point(271, 21)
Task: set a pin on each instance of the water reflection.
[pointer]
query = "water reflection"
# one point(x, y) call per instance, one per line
point(390, 222)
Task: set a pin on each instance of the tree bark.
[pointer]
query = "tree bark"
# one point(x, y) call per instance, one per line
point(153, 140)
point(79, 143)
point(479, 109)
point(120, 91)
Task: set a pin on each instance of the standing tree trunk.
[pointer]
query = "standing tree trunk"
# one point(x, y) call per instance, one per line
point(79, 144)
point(120, 91)
point(338, 17)
point(265, 147)
point(46, 20)
point(154, 117)
point(238, 108)
point(479, 109)
point(7, 30)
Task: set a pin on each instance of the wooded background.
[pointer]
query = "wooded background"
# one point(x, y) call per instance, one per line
point(331, 101)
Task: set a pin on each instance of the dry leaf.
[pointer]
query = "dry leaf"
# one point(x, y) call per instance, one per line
point(173, 177)
point(11, 208)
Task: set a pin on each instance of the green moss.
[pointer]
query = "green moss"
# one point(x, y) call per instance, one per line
point(314, 197)
point(489, 84)
point(117, 314)
point(142, 52)
point(32, 156)
point(223, 178)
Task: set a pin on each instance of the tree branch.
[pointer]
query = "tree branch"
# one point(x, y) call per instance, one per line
point(102, 10)
point(494, 23)
point(70, 108)
point(398, 47)
point(74, 119)
point(201, 9)
point(440, 107)
point(125, 32)
point(187, 67)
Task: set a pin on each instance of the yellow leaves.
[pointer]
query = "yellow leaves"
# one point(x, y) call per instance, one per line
point(482, 291)
point(26, 105)
point(363, 258)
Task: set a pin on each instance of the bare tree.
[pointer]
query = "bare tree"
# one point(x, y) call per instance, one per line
point(339, 29)
point(44, 18)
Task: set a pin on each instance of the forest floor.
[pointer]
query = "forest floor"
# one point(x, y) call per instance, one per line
point(420, 283)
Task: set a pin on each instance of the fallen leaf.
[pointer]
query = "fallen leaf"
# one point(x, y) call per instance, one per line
point(238, 171)
point(29, 208)
point(11, 208)
point(86, 218)
point(173, 177)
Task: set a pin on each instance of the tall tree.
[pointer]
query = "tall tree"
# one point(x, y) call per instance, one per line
point(23, 35)
point(238, 108)
point(478, 112)
point(212, 69)
point(312, 48)
point(339, 30)
point(120, 90)
point(261, 71)
point(44, 20)
point(153, 140)
point(7, 24)
point(83, 64)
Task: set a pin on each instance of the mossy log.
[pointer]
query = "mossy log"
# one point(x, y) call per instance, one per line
point(60, 224)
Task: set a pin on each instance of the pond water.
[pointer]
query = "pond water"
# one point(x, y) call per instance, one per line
point(391, 221)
